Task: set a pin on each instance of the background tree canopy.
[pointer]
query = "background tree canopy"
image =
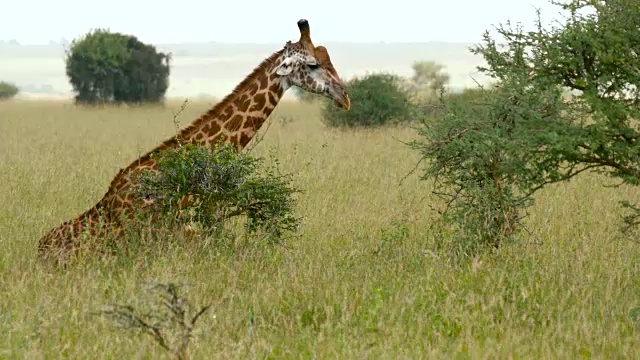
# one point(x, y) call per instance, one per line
point(113, 67)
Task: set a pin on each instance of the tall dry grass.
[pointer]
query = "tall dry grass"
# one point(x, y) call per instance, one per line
point(364, 278)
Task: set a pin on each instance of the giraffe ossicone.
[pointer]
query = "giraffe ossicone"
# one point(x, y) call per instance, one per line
point(235, 120)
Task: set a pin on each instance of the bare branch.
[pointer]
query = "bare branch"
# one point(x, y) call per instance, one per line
point(174, 319)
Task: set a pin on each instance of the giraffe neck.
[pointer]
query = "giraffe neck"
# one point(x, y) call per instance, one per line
point(238, 117)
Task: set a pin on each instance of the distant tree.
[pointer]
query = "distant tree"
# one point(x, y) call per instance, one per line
point(8, 90)
point(108, 67)
point(427, 80)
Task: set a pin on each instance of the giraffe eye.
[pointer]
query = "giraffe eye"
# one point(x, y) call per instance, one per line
point(313, 66)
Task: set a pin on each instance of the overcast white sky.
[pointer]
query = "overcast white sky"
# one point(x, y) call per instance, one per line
point(260, 21)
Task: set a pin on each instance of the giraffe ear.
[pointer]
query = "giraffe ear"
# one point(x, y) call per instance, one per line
point(285, 68)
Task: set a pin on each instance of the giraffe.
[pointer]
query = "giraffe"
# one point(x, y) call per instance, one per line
point(234, 120)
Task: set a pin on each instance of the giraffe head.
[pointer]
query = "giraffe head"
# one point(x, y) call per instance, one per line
point(310, 68)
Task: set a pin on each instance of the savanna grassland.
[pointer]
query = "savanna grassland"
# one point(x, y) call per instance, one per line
point(364, 279)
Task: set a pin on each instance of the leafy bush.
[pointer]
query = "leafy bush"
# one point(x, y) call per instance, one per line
point(220, 184)
point(113, 67)
point(8, 90)
point(376, 99)
point(489, 156)
point(478, 152)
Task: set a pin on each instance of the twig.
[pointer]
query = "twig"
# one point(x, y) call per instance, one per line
point(455, 136)
point(176, 122)
point(151, 323)
point(412, 170)
point(258, 137)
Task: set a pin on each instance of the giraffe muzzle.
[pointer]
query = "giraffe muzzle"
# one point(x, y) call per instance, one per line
point(341, 99)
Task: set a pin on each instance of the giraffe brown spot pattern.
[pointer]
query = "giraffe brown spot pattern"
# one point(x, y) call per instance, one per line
point(244, 102)
point(258, 102)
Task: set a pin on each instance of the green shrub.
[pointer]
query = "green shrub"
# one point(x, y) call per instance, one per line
point(376, 99)
point(222, 184)
point(481, 163)
point(8, 90)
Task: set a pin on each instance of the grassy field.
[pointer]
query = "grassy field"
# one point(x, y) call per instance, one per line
point(363, 280)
